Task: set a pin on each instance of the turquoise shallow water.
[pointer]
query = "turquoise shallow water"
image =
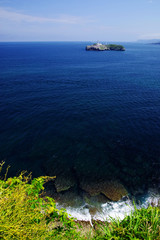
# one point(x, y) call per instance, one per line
point(82, 116)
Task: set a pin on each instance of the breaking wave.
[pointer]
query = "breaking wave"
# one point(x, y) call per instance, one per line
point(109, 210)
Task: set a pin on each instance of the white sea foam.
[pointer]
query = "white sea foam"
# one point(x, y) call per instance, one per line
point(110, 210)
point(81, 213)
point(153, 198)
point(114, 210)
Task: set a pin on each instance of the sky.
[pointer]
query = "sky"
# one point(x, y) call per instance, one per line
point(79, 20)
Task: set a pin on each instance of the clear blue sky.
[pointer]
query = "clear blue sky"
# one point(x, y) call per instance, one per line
point(79, 20)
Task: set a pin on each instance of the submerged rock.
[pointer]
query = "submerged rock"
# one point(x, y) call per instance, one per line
point(95, 200)
point(64, 183)
point(113, 190)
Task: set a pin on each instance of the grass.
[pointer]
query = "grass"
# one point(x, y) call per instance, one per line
point(140, 224)
point(25, 214)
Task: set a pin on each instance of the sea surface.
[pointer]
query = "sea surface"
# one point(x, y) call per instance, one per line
point(87, 117)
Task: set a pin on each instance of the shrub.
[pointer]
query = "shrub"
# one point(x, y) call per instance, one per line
point(25, 215)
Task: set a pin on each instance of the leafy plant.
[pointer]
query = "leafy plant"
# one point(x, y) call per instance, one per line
point(24, 214)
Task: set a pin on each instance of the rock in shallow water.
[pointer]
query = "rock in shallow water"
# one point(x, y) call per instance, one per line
point(113, 190)
point(63, 183)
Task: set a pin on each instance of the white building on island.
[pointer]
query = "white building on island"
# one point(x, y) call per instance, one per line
point(99, 44)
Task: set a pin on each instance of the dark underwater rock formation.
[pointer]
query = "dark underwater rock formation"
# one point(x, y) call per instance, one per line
point(113, 190)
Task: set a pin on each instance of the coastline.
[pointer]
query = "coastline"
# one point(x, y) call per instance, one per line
point(115, 210)
point(43, 217)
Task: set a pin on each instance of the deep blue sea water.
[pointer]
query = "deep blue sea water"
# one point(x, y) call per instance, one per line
point(69, 112)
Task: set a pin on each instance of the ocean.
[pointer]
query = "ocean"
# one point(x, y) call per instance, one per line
point(92, 119)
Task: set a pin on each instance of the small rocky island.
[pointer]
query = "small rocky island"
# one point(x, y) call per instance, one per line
point(104, 47)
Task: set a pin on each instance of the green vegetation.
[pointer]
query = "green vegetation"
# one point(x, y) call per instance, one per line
point(26, 214)
point(115, 47)
point(102, 47)
point(141, 224)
